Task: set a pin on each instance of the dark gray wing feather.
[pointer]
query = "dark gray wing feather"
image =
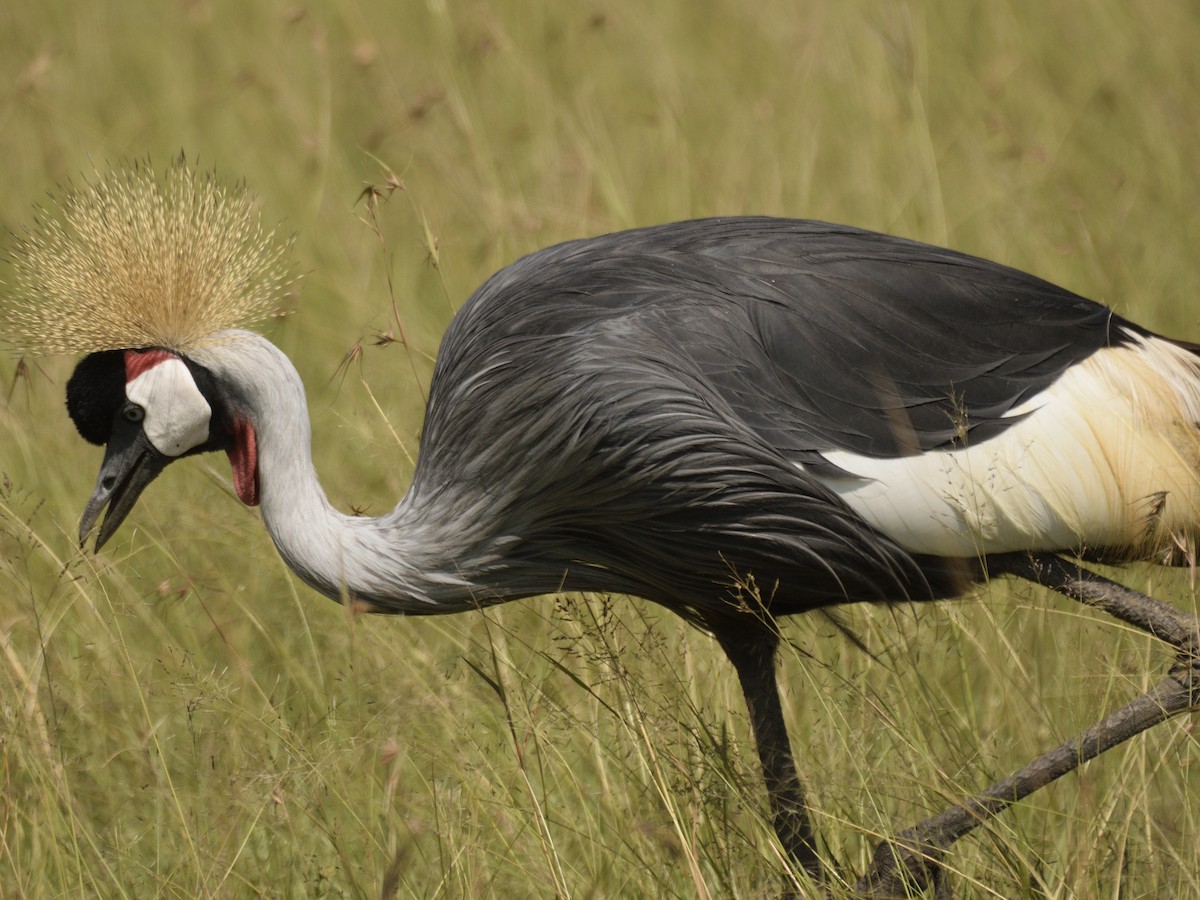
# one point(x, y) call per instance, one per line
point(818, 336)
point(624, 412)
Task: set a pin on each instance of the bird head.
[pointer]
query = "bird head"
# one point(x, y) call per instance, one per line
point(148, 408)
point(137, 270)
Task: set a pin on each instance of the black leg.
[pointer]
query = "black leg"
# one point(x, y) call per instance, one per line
point(752, 650)
point(1160, 619)
point(911, 861)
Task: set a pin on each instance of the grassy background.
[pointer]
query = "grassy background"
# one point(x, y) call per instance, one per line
point(179, 717)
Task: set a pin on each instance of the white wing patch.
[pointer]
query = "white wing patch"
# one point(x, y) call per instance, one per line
point(1108, 457)
point(177, 415)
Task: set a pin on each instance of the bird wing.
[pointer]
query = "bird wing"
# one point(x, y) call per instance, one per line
point(665, 382)
point(823, 337)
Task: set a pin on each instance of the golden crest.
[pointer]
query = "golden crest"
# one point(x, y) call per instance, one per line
point(134, 258)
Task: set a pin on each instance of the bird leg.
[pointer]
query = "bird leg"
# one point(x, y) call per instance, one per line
point(911, 861)
point(752, 650)
point(1072, 580)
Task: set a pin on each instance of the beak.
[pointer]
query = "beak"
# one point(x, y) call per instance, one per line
point(130, 463)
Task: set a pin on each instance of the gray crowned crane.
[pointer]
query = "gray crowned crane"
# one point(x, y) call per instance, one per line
point(674, 412)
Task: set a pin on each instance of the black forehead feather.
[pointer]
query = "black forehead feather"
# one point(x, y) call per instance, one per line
point(95, 392)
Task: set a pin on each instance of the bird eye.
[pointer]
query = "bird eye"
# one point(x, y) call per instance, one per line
point(133, 413)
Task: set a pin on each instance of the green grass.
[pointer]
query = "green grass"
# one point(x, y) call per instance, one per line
point(179, 717)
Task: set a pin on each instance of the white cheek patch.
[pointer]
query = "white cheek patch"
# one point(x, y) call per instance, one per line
point(177, 415)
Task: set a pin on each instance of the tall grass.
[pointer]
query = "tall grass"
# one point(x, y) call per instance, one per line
point(179, 717)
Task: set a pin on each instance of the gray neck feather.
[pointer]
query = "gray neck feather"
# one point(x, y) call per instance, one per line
point(391, 562)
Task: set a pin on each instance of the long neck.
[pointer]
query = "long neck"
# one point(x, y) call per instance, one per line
point(393, 563)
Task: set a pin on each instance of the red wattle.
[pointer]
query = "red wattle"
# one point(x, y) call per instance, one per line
point(243, 456)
